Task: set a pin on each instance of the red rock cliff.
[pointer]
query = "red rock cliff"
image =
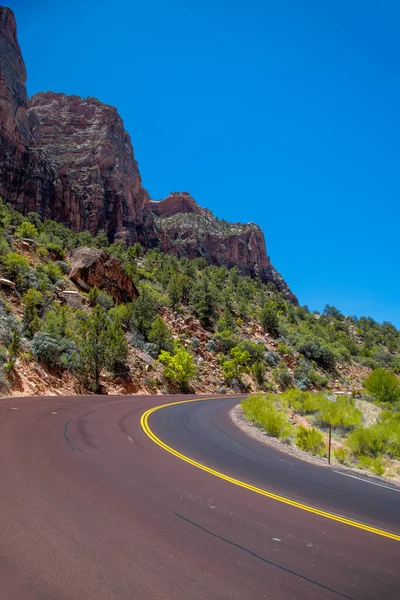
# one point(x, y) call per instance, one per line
point(187, 230)
point(88, 147)
point(70, 159)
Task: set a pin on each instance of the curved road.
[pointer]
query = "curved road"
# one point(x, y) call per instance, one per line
point(92, 508)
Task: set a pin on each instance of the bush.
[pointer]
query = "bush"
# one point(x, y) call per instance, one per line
point(138, 341)
point(211, 346)
point(368, 441)
point(160, 335)
point(383, 385)
point(16, 267)
point(178, 368)
point(310, 440)
point(317, 380)
point(313, 349)
point(258, 370)
point(269, 319)
point(27, 230)
point(341, 413)
point(51, 350)
point(256, 351)
point(266, 411)
point(282, 376)
point(98, 297)
point(194, 342)
point(272, 358)
point(374, 465)
point(283, 348)
point(341, 455)
point(226, 339)
point(63, 266)
point(234, 367)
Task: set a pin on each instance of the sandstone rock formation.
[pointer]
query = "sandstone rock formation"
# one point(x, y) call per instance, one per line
point(91, 268)
point(70, 159)
point(92, 156)
point(187, 230)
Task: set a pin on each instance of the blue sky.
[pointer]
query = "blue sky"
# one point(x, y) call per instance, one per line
point(282, 112)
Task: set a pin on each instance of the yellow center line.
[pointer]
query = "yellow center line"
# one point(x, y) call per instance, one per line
point(144, 421)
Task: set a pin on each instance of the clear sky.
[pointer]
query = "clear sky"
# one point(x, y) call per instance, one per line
point(282, 112)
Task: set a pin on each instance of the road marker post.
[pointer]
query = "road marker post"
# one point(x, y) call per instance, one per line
point(329, 444)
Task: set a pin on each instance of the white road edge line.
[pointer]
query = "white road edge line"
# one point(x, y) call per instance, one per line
point(388, 487)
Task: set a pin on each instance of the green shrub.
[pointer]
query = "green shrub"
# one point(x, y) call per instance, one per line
point(16, 267)
point(282, 376)
point(373, 464)
point(269, 318)
point(27, 230)
point(178, 367)
point(98, 297)
point(258, 370)
point(266, 411)
point(314, 349)
point(160, 335)
point(368, 441)
point(226, 340)
point(53, 351)
point(342, 455)
point(283, 348)
point(340, 413)
point(233, 367)
point(310, 440)
point(256, 350)
point(383, 385)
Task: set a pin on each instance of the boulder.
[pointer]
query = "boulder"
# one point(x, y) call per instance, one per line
point(72, 298)
point(7, 283)
point(91, 268)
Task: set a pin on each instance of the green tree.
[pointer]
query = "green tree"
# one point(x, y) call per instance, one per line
point(269, 319)
point(32, 301)
point(234, 367)
point(160, 335)
point(144, 311)
point(179, 288)
point(14, 348)
point(204, 303)
point(179, 367)
point(227, 322)
point(383, 385)
point(102, 344)
point(16, 267)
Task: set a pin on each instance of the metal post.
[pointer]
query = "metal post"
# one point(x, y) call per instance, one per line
point(329, 445)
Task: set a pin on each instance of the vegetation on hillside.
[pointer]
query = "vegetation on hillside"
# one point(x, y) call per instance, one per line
point(303, 418)
point(207, 327)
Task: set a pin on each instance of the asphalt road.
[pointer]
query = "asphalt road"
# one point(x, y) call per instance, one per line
point(92, 508)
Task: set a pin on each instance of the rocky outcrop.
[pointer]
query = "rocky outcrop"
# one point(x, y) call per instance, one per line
point(91, 268)
point(187, 230)
point(92, 156)
point(71, 160)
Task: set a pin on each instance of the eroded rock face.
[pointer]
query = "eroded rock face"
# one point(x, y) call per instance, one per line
point(187, 230)
point(91, 154)
point(91, 268)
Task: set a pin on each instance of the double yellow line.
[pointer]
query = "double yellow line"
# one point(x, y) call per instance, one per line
point(144, 421)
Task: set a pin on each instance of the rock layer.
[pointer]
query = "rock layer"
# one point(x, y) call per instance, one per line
point(70, 159)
